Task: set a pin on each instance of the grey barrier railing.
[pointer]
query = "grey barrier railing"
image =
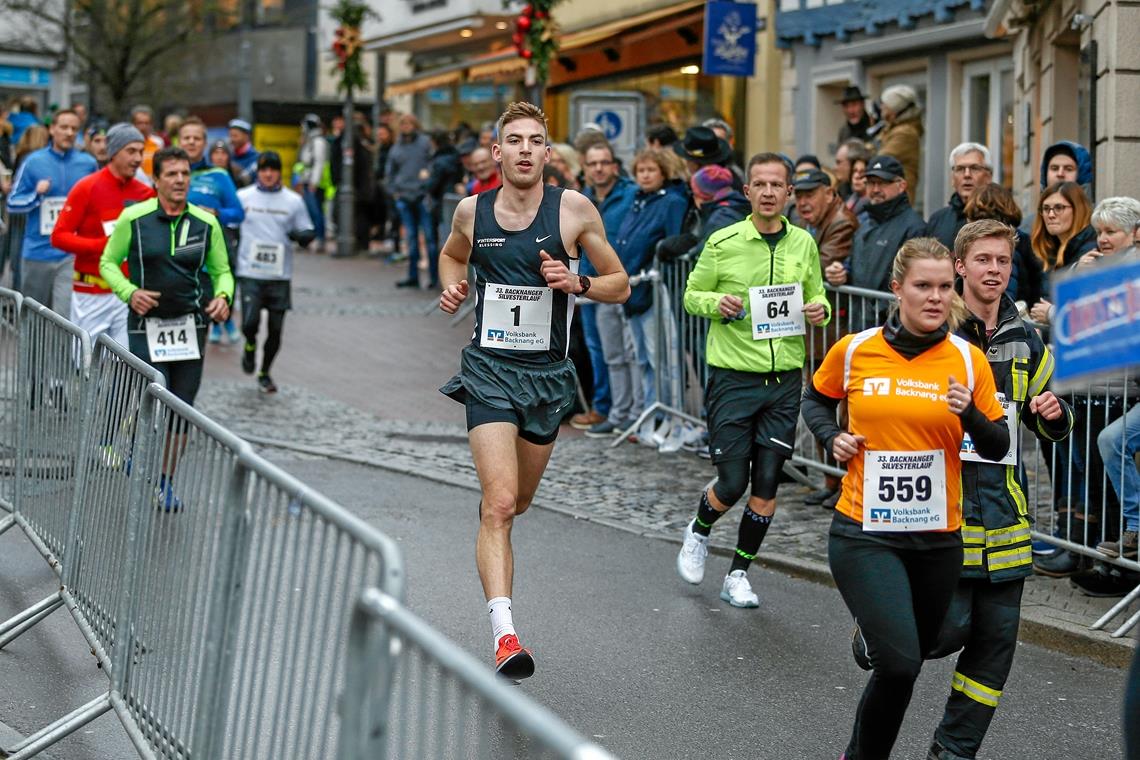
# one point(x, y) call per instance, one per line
point(216, 591)
point(9, 360)
point(422, 698)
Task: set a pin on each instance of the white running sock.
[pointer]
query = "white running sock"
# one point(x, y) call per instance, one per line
point(501, 620)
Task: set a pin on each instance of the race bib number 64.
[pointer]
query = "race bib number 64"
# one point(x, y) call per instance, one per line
point(777, 311)
point(904, 490)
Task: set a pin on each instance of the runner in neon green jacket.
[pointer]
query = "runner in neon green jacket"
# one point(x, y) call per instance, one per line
point(735, 259)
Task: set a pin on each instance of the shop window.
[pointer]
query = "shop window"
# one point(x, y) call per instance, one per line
point(987, 112)
point(680, 96)
point(473, 103)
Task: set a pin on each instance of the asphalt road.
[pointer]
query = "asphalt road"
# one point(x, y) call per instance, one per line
point(628, 654)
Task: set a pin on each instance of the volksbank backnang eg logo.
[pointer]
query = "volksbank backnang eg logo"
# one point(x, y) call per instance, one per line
point(493, 334)
point(880, 515)
point(877, 386)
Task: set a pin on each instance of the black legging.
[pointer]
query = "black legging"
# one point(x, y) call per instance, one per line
point(898, 598)
point(251, 323)
point(182, 378)
point(732, 476)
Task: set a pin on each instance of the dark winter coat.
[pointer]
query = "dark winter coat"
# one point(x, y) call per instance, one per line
point(651, 218)
point(945, 223)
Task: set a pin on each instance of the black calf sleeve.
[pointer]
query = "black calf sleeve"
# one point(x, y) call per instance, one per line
point(272, 340)
point(766, 466)
point(731, 481)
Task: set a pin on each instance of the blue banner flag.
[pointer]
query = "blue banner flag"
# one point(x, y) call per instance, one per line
point(1096, 326)
point(730, 39)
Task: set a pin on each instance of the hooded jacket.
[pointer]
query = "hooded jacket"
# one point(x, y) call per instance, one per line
point(995, 517)
point(891, 224)
point(945, 223)
point(1084, 172)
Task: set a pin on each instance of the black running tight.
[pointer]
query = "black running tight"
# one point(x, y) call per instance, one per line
point(732, 476)
point(898, 597)
point(251, 323)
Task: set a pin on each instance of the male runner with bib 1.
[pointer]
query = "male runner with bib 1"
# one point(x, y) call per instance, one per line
point(515, 379)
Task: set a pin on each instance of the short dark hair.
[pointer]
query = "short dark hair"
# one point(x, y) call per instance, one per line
point(663, 134)
point(169, 153)
point(63, 112)
point(768, 158)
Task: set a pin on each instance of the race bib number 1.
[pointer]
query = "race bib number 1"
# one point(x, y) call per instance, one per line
point(969, 454)
point(49, 212)
point(516, 317)
point(267, 259)
point(172, 340)
point(777, 311)
point(904, 490)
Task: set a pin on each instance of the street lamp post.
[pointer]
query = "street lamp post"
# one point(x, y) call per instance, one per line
point(346, 192)
point(350, 15)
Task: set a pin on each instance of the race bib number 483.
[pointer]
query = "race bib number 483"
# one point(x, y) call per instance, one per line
point(172, 340)
point(777, 311)
point(516, 317)
point(267, 259)
point(904, 490)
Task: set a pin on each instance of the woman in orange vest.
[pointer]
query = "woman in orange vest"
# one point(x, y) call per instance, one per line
point(913, 388)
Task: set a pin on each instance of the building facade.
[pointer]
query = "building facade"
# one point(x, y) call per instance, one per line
point(964, 80)
point(1076, 71)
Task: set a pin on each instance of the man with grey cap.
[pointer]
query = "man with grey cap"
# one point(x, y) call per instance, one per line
point(86, 221)
point(824, 215)
point(243, 156)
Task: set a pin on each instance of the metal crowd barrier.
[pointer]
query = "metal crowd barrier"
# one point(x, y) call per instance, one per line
point(420, 697)
point(217, 593)
point(9, 359)
point(12, 246)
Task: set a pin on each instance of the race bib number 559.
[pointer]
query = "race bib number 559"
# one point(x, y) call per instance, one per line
point(904, 490)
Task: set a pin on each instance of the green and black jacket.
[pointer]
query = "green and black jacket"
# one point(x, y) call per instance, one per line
point(167, 254)
point(995, 516)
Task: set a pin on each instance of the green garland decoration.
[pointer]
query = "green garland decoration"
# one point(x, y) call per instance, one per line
point(535, 35)
point(347, 44)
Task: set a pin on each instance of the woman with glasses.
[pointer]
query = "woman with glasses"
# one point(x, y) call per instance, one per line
point(1062, 233)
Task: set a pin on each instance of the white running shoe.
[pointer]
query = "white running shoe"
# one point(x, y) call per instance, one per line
point(691, 558)
point(737, 591)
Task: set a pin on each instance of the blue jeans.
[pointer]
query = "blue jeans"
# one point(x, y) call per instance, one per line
point(314, 204)
point(415, 218)
point(1118, 444)
point(588, 312)
point(644, 328)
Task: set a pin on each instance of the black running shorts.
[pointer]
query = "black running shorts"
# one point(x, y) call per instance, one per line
point(532, 397)
point(749, 409)
point(272, 295)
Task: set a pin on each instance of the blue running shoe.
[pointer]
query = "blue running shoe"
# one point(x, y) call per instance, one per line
point(164, 497)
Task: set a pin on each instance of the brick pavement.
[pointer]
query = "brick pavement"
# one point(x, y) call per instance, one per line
point(359, 370)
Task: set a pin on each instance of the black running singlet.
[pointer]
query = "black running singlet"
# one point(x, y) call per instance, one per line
point(516, 315)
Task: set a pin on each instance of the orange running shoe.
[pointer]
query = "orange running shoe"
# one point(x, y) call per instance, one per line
point(511, 660)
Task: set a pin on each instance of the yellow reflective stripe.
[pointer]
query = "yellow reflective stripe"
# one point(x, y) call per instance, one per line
point(1041, 377)
point(1014, 488)
point(972, 557)
point(1020, 374)
point(973, 534)
point(976, 691)
point(1022, 555)
point(1007, 536)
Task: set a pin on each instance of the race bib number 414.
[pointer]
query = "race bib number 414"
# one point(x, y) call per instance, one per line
point(172, 340)
point(777, 311)
point(904, 490)
point(516, 317)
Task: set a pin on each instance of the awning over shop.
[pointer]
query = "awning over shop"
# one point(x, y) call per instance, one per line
point(505, 64)
point(594, 34)
point(423, 82)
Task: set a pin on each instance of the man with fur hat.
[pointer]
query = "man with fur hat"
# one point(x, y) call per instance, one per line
point(902, 135)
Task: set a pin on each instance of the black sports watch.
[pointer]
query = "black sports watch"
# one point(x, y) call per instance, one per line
point(584, 282)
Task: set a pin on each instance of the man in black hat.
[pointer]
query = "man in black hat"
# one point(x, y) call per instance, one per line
point(892, 223)
point(701, 147)
point(857, 121)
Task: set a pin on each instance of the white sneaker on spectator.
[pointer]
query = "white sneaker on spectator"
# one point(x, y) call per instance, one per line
point(737, 591)
point(691, 558)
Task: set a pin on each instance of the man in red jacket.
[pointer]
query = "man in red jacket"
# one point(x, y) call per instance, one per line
point(87, 219)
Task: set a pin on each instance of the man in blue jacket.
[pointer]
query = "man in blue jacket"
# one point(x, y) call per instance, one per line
point(617, 399)
point(213, 189)
point(40, 190)
point(243, 156)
